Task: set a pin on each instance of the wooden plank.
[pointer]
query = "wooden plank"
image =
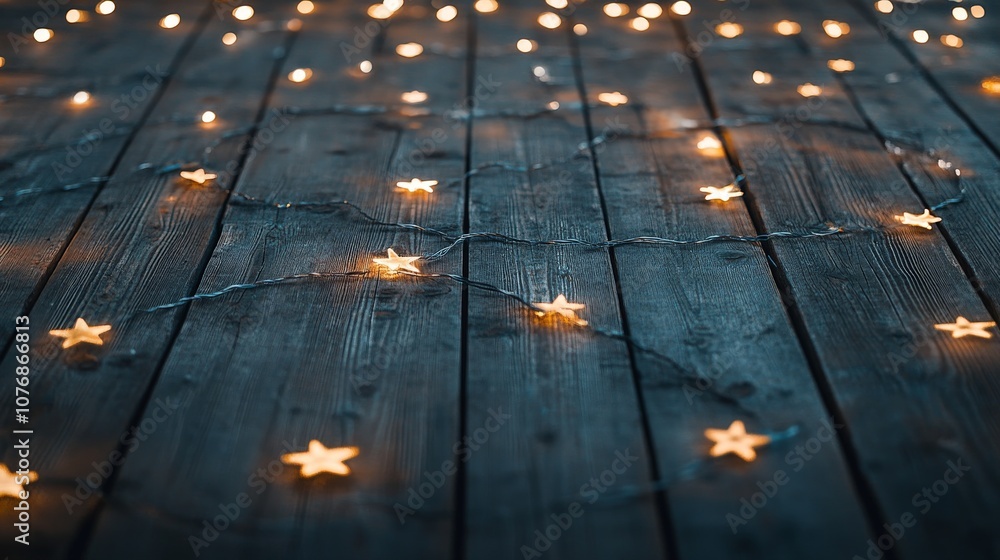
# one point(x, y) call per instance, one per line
point(716, 312)
point(143, 241)
point(47, 142)
point(569, 393)
point(371, 362)
point(916, 401)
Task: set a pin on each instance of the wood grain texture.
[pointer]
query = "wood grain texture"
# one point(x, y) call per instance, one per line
point(143, 241)
point(372, 361)
point(716, 312)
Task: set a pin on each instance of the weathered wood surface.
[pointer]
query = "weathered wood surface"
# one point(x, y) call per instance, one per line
point(416, 371)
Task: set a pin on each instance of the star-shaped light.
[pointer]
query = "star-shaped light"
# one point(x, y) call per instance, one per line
point(920, 220)
point(395, 262)
point(321, 458)
point(721, 193)
point(81, 332)
point(614, 99)
point(963, 327)
point(8, 486)
point(198, 176)
point(417, 185)
point(735, 439)
point(561, 307)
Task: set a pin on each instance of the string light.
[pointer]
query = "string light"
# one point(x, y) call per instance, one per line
point(977, 11)
point(300, 75)
point(557, 4)
point(77, 16)
point(320, 458)
point(394, 263)
point(486, 6)
point(560, 306)
point(884, 6)
point(549, 20)
point(305, 7)
point(105, 8)
point(919, 220)
point(293, 24)
point(835, 29)
point(953, 41)
point(580, 29)
point(809, 90)
point(3, 61)
point(651, 11)
point(413, 96)
point(962, 327)
point(729, 30)
point(761, 77)
point(243, 12)
point(959, 13)
point(417, 185)
point(525, 45)
point(991, 84)
point(721, 193)
point(409, 50)
point(9, 485)
point(365, 66)
point(379, 11)
point(786, 27)
point(447, 13)
point(614, 99)
point(615, 9)
point(840, 65)
point(920, 36)
point(639, 24)
point(81, 333)
point(198, 176)
point(207, 117)
point(393, 5)
point(710, 145)
point(42, 34)
point(736, 440)
point(680, 8)
point(170, 21)
point(229, 38)
point(81, 98)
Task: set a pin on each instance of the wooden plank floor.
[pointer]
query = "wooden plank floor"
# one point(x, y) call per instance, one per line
point(802, 308)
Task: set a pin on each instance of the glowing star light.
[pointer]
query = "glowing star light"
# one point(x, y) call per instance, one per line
point(9, 486)
point(562, 307)
point(81, 332)
point(395, 263)
point(613, 98)
point(198, 176)
point(962, 327)
point(416, 185)
point(735, 439)
point(721, 193)
point(320, 458)
point(920, 220)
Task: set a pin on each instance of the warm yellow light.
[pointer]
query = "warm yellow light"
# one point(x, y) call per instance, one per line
point(105, 8)
point(525, 45)
point(962, 327)
point(557, 4)
point(77, 16)
point(300, 75)
point(198, 176)
point(293, 24)
point(538, 71)
point(977, 11)
point(447, 13)
point(320, 458)
point(835, 28)
point(960, 13)
point(379, 11)
point(953, 41)
point(81, 332)
point(2, 61)
point(721, 193)
point(393, 5)
point(207, 117)
point(12, 483)
point(305, 7)
point(918, 220)
point(42, 34)
point(365, 66)
point(614, 98)
point(170, 21)
point(580, 29)
point(615, 9)
point(549, 20)
point(416, 184)
point(840, 65)
point(710, 146)
point(809, 90)
point(243, 13)
point(921, 36)
point(761, 77)
point(991, 84)
point(639, 24)
point(729, 30)
point(409, 50)
point(560, 306)
point(81, 97)
point(486, 6)
point(394, 263)
point(884, 6)
point(650, 11)
point(229, 38)
point(786, 27)
point(413, 96)
point(553, 105)
point(681, 8)
point(736, 440)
